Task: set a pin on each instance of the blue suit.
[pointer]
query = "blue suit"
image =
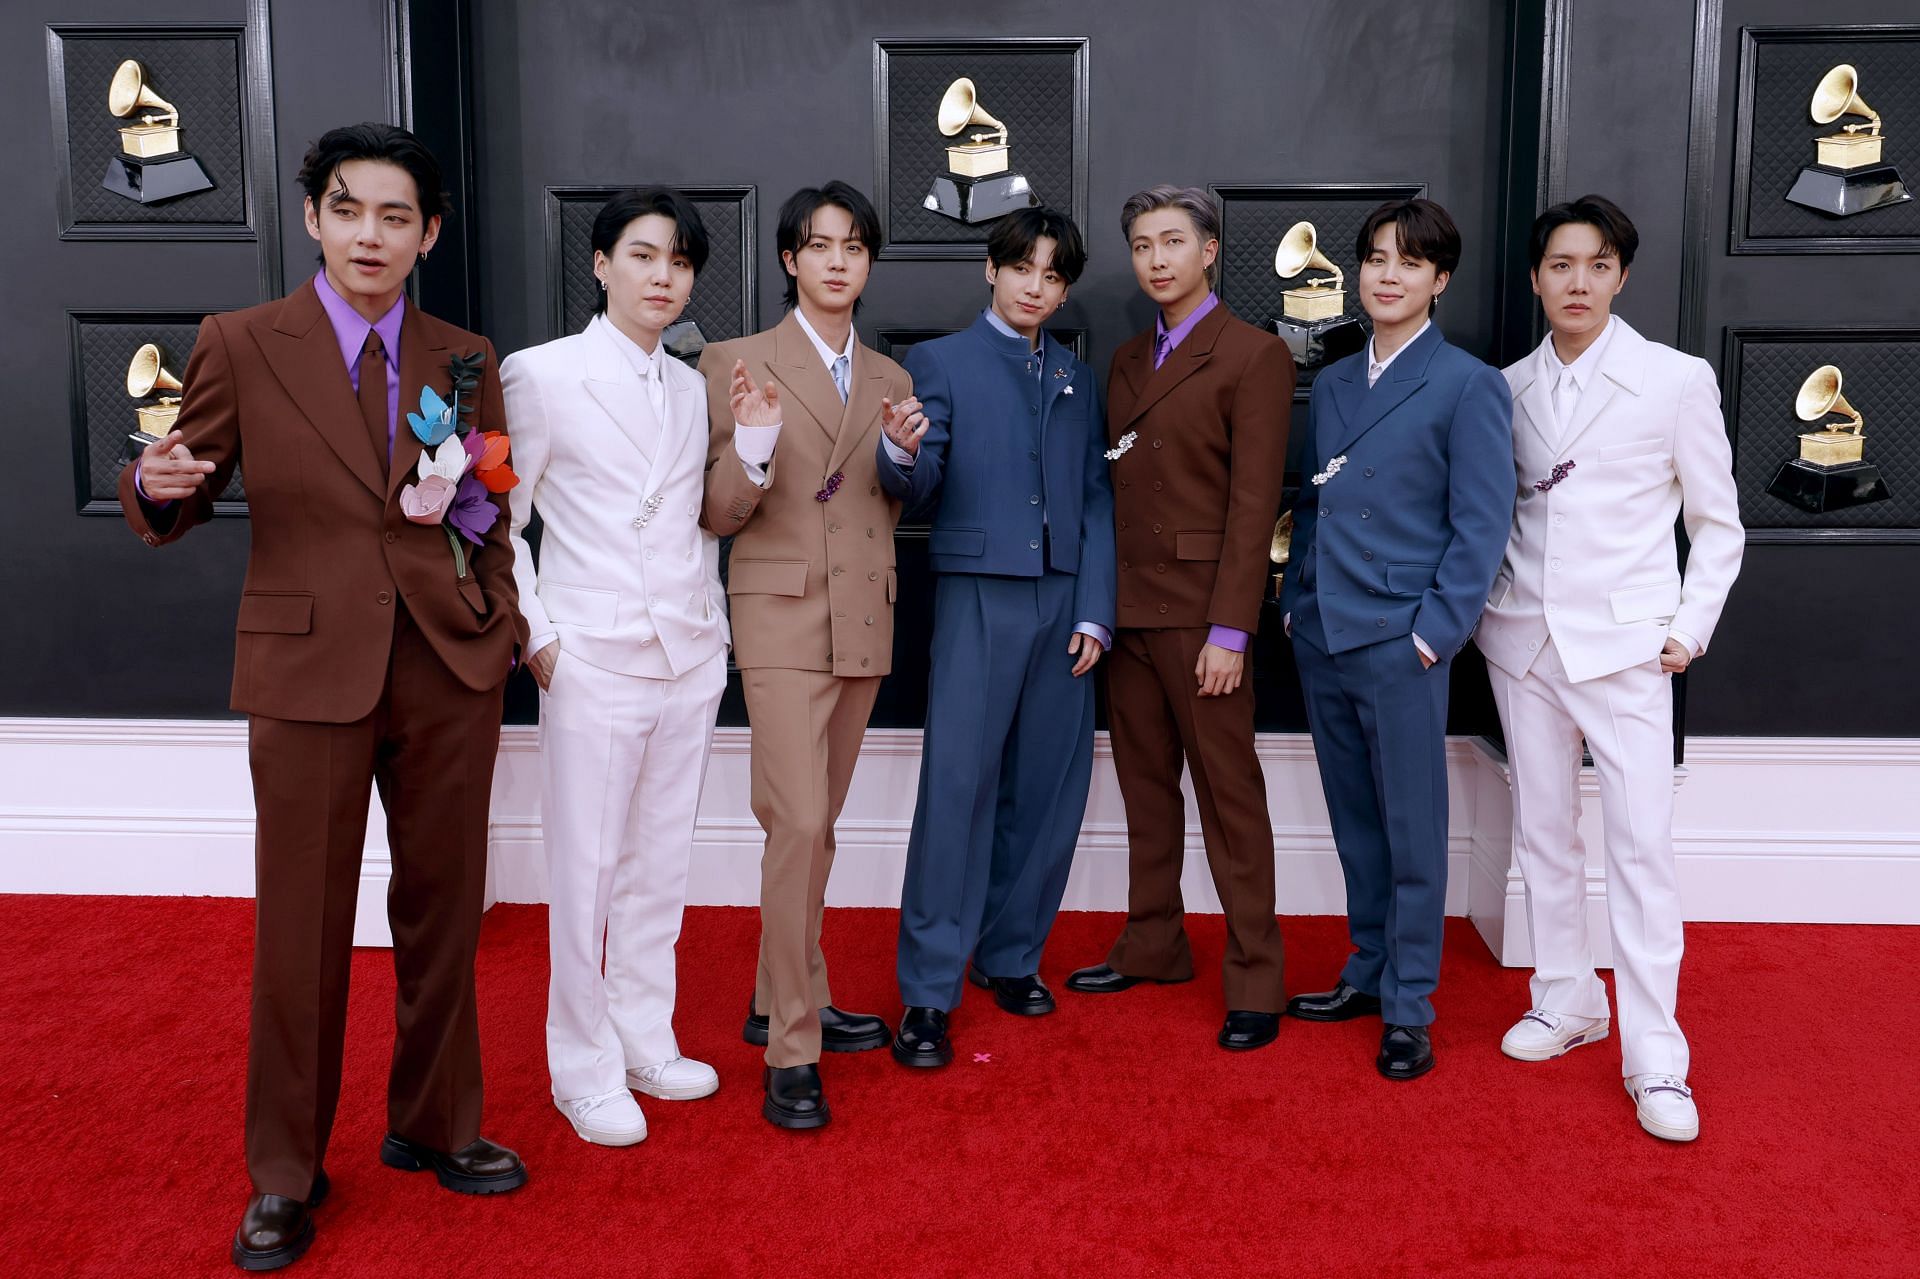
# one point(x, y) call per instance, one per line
point(1398, 532)
point(1012, 477)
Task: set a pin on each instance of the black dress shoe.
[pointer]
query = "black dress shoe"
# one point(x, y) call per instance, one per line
point(1249, 1030)
point(794, 1097)
point(1023, 996)
point(273, 1233)
point(1342, 1003)
point(1405, 1052)
point(1102, 980)
point(922, 1040)
point(477, 1168)
point(839, 1032)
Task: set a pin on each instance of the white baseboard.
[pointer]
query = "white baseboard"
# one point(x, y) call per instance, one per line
point(91, 806)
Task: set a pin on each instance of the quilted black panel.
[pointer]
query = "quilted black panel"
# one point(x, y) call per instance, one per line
point(198, 74)
point(1782, 133)
point(1029, 91)
point(718, 301)
point(1880, 378)
point(104, 416)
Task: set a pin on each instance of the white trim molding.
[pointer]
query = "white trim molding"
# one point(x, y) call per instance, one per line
point(1773, 829)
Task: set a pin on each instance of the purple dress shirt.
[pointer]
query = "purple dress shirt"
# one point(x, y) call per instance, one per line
point(1164, 340)
point(350, 330)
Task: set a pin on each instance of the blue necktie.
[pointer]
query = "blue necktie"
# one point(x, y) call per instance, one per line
point(840, 367)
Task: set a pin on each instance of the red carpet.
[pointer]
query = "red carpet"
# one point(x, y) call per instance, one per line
point(1111, 1139)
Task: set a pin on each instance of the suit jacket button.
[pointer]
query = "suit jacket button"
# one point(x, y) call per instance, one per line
point(1371, 591)
point(874, 490)
point(1156, 444)
point(1324, 512)
point(393, 537)
point(873, 577)
point(1368, 472)
point(869, 620)
point(1365, 514)
point(1033, 544)
point(866, 661)
point(383, 597)
point(1163, 608)
point(1156, 486)
point(1032, 454)
point(1366, 555)
point(1379, 621)
point(837, 570)
point(1156, 528)
point(839, 614)
point(1034, 500)
point(869, 532)
point(1124, 564)
point(1159, 568)
point(1126, 484)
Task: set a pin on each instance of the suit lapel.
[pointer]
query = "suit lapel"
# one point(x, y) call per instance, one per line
point(616, 387)
point(673, 431)
point(304, 355)
point(796, 365)
point(1134, 366)
point(423, 362)
point(1057, 359)
point(1535, 402)
point(1182, 362)
point(1621, 367)
point(1407, 374)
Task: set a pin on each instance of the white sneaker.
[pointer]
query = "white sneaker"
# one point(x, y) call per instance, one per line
point(1665, 1106)
point(611, 1119)
point(1543, 1035)
point(680, 1079)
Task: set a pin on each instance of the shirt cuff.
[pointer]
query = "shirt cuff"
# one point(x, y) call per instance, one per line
point(141, 490)
point(1234, 641)
point(901, 458)
point(1426, 651)
point(755, 444)
point(1687, 642)
point(1097, 631)
point(1286, 624)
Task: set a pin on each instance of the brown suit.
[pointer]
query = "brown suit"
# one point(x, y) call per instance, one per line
point(1194, 503)
point(360, 659)
point(811, 585)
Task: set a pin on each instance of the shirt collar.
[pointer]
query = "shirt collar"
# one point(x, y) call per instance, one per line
point(1378, 368)
point(648, 366)
point(1178, 334)
point(350, 327)
point(1007, 330)
point(827, 354)
point(1587, 365)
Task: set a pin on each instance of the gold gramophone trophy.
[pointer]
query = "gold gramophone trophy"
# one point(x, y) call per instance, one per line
point(151, 167)
point(1831, 472)
point(1281, 550)
point(147, 375)
point(1313, 317)
point(977, 186)
point(1848, 175)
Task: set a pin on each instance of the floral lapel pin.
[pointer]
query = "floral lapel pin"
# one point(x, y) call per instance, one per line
point(1560, 472)
point(833, 484)
point(459, 468)
point(1333, 469)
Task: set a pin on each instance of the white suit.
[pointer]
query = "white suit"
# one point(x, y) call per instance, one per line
point(1588, 595)
point(629, 584)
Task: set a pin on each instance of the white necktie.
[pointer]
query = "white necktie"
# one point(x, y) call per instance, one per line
point(841, 365)
point(1566, 398)
point(656, 390)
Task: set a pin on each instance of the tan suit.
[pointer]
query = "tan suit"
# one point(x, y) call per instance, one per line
point(811, 585)
point(1194, 503)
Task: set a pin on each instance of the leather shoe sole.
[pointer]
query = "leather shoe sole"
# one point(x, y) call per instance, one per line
point(1018, 1007)
point(273, 1258)
point(1350, 1010)
point(1118, 982)
point(408, 1156)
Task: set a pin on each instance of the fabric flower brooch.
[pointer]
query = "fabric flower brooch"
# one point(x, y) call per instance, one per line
point(460, 468)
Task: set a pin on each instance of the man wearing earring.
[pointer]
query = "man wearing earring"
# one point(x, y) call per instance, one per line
point(1396, 537)
point(628, 643)
point(811, 580)
point(1197, 412)
point(1615, 439)
point(1010, 460)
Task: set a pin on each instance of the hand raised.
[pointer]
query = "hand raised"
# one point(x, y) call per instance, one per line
point(168, 472)
point(904, 423)
point(753, 405)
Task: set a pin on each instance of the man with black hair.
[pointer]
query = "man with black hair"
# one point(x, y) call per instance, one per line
point(1011, 461)
point(1397, 532)
point(377, 627)
point(628, 628)
point(811, 581)
point(1614, 439)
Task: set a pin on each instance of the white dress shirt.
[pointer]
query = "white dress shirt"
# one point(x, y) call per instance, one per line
point(647, 364)
point(1571, 380)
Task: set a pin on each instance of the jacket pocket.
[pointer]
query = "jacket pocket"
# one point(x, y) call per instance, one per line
point(957, 541)
point(1198, 546)
point(1410, 579)
point(582, 606)
point(276, 612)
point(767, 577)
point(1632, 448)
point(1645, 602)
